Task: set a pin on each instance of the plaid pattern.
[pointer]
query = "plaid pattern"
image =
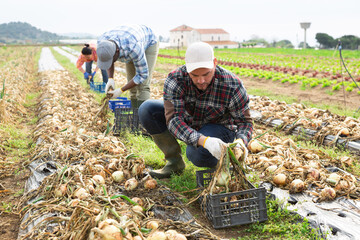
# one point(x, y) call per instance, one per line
point(81, 60)
point(223, 102)
point(132, 41)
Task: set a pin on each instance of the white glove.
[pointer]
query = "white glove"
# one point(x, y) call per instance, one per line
point(240, 144)
point(215, 146)
point(116, 93)
point(111, 83)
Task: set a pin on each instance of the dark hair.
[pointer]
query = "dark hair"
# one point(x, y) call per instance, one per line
point(86, 50)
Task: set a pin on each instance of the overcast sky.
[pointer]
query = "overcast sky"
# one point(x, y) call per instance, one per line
point(268, 19)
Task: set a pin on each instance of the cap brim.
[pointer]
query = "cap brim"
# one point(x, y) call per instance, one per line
point(193, 66)
point(104, 65)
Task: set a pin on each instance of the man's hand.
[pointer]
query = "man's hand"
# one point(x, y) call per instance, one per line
point(86, 75)
point(241, 150)
point(110, 84)
point(115, 93)
point(215, 146)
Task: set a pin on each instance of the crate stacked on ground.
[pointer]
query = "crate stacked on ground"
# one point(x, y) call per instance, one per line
point(126, 117)
point(98, 86)
point(233, 208)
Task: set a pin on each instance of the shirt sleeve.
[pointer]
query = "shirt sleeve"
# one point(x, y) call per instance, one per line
point(137, 54)
point(80, 62)
point(173, 95)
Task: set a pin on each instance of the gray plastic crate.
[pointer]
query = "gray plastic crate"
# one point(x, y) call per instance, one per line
point(223, 211)
point(126, 118)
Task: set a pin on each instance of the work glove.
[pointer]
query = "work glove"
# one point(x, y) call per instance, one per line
point(86, 75)
point(115, 93)
point(93, 74)
point(111, 83)
point(215, 146)
point(240, 150)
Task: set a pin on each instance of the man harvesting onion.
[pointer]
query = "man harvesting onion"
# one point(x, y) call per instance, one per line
point(137, 46)
point(204, 105)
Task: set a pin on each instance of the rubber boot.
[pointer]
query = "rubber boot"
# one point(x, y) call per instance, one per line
point(172, 151)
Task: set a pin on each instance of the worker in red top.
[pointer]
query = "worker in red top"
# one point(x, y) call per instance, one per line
point(88, 56)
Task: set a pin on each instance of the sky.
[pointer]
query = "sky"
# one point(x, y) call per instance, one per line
point(273, 20)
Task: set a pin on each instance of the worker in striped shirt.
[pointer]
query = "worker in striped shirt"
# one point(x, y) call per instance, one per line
point(204, 106)
point(138, 47)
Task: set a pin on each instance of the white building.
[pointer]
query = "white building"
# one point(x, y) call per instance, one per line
point(183, 36)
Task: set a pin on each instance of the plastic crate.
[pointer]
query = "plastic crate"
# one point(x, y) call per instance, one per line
point(223, 211)
point(120, 102)
point(98, 86)
point(126, 118)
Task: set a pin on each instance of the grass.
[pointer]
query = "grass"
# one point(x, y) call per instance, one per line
point(291, 227)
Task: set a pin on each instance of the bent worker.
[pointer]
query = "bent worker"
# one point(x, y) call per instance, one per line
point(204, 105)
point(137, 46)
point(88, 56)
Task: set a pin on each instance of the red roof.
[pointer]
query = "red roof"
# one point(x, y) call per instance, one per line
point(182, 28)
point(212, 31)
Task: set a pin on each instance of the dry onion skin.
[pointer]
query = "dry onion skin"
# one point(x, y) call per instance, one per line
point(150, 184)
point(297, 186)
point(328, 194)
point(280, 179)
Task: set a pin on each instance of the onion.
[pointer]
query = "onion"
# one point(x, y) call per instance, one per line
point(150, 184)
point(328, 193)
point(137, 209)
point(333, 178)
point(131, 184)
point(280, 179)
point(61, 191)
point(109, 232)
point(254, 146)
point(344, 131)
point(81, 193)
point(223, 178)
point(343, 185)
point(118, 176)
point(137, 238)
point(170, 234)
point(158, 235)
point(152, 225)
point(271, 169)
point(138, 201)
point(313, 174)
point(99, 179)
point(296, 186)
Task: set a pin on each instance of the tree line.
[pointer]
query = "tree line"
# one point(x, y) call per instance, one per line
point(326, 41)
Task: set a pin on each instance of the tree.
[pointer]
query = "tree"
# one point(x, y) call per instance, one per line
point(284, 44)
point(325, 40)
point(301, 45)
point(350, 42)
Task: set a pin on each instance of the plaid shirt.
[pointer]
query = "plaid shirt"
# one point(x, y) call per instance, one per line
point(224, 102)
point(133, 40)
point(81, 60)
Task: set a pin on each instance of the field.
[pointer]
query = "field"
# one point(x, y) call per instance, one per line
point(49, 118)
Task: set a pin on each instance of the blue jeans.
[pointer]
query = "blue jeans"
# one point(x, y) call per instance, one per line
point(152, 117)
point(88, 67)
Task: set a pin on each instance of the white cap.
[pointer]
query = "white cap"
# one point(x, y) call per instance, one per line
point(199, 55)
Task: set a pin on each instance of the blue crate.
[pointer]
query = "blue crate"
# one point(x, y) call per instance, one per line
point(98, 86)
point(120, 102)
